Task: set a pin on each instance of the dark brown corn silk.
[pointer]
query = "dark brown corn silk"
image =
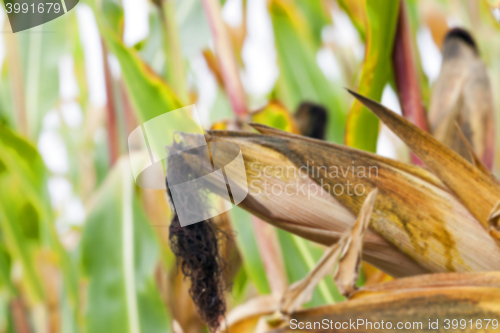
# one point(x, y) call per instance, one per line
point(461, 35)
point(312, 119)
point(196, 247)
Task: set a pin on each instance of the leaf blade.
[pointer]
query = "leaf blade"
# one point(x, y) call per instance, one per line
point(459, 175)
point(362, 126)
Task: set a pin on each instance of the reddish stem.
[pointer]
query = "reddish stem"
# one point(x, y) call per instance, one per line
point(19, 316)
point(270, 252)
point(114, 149)
point(130, 120)
point(226, 58)
point(407, 82)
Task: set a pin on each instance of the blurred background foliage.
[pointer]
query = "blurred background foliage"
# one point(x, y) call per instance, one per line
point(82, 248)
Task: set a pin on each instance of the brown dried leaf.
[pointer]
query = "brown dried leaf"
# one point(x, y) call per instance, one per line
point(435, 18)
point(494, 223)
point(476, 161)
point(302, 291)
point(415, 306)
point(244, 318)
point(349, 248)
point(417, 226)
point(372, 275)
point(462, 93)
point(326, 217)
point(213, 65)
point(461, 177)
point(348, 268)
point(438, 280)
point(495, 234)
point(434, 236)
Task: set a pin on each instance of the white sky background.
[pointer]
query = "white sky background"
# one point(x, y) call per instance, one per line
point(94, 67)
point(429, 53)
point(136, 14)
point(388, 144)
point(259, 54)
point(344, 34)
point(496, 13)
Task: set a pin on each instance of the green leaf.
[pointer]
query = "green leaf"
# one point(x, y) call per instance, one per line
point(5, 267)
point(362, 125)
point(7, 110)
point(240, 283)
point(113, 15)
point(275, 115)
point(301, 79)
point(149, 93)
point(176, 74)
point(193, 27)
point(355, 9)
point(119, 255)
point(21, 178)
point(41, 52)
point(317, 15)
point(301, 257)
point(247, 245)
point(25, 212)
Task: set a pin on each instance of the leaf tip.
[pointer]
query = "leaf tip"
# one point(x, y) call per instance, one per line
point(259, 127)
point(364, 100)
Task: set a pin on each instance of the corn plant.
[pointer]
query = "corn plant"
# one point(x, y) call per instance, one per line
point(329, 230)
